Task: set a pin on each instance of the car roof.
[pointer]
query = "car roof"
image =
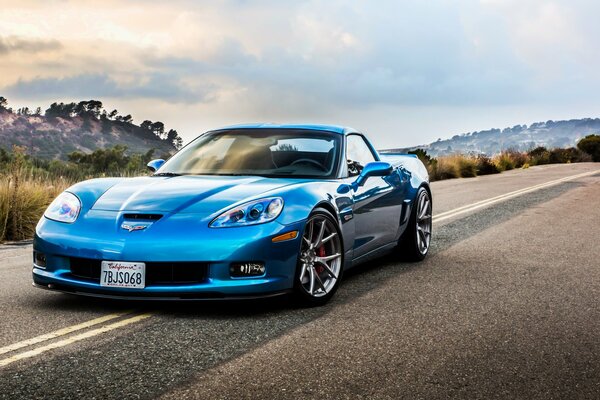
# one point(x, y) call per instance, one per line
point(342, 130)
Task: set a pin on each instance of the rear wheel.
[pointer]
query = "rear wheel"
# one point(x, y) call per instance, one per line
point(414, 244)
point(320, 260)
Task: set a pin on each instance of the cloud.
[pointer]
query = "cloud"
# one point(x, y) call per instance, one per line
point(368, 62)
point(16, 44)
point(154, 86)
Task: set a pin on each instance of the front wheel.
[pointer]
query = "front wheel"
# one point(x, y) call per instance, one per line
point(414, 244)
point(320, 262)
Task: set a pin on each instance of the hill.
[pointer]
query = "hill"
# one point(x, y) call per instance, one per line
point(84, 127)
point(549, 134)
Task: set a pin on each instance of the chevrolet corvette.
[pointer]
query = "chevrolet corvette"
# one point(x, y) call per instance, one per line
point(240, 212)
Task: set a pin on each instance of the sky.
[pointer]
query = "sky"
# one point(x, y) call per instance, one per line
point(403, 72)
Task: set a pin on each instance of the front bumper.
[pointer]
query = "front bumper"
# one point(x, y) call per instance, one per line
point(171, 241)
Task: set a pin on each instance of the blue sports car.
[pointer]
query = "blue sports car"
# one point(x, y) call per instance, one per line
point(244, 211)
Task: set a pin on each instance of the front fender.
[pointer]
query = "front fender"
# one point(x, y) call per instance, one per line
point(90, 191)
point(300, 201)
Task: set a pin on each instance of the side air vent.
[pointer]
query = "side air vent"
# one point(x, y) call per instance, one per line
point(143, 217)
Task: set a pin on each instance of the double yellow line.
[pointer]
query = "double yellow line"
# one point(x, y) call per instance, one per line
point(133, 317)
point(66, 331)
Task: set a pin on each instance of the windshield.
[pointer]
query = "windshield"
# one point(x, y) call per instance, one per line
point(265, 152)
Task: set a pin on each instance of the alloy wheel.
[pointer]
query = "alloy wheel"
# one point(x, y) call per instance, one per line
point(320, 256)
point(423, 221)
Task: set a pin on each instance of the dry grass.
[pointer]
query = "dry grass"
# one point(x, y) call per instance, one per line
point(503, 162)
point(454, 166)
point(443, 168)
point(22, 204)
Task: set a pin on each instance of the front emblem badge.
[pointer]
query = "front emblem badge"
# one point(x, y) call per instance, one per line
point(131, 228)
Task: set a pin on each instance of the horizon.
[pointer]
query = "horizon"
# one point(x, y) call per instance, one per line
point(405, 73)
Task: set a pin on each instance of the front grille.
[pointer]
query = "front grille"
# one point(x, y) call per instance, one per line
point(157, 273)
point(85, 268)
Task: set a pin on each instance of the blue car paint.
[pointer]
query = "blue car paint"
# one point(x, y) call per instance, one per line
point(371, 218)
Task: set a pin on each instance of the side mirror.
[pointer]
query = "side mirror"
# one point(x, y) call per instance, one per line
point(154, 165)
point(376, 168)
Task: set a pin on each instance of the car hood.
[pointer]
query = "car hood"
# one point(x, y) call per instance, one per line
point(185, 194)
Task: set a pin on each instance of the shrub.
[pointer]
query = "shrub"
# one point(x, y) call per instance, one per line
point(539, 156)
point(503, 162)
point(560, 156)
point(590, 145)
point(485, 166)
point(467, 167)
point(518, 158)
point(443, 168)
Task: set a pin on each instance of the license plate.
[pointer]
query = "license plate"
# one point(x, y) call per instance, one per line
point(123, 274)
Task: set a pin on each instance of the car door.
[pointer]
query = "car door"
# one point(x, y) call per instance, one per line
point(377, 204)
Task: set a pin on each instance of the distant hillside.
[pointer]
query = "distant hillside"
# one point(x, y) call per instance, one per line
point(550, 134)
point(84, 127)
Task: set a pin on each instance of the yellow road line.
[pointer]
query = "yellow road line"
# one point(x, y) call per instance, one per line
point(61, 332)
point(487, 202)
point(94, 332)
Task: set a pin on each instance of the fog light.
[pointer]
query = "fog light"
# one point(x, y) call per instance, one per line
point(39, 259)
point(240, 270)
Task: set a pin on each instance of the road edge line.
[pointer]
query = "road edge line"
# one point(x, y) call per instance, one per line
point(493, 200)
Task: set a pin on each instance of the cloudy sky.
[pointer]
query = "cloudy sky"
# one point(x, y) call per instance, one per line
point(405, 72)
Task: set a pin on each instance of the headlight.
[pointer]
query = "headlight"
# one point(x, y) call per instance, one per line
point(65, 208)
point(251, 213)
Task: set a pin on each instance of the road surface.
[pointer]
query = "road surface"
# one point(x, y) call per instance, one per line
point(507, 305)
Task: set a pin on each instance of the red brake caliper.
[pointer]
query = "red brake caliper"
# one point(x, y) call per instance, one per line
point(320, 253)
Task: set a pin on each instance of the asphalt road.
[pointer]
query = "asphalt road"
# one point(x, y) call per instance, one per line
point(505, 306)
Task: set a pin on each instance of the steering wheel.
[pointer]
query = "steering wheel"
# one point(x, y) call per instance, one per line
point(310, 161)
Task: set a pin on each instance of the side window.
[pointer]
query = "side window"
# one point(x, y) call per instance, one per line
point(358, 154)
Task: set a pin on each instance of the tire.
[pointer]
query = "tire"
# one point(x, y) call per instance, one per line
point(320, 260)
point(416, 239)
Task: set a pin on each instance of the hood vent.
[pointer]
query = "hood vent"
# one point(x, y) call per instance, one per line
point(142, 217)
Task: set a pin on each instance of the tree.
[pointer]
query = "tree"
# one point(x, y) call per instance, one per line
point(110, 160)
point(94, 107)
point(90, 108)
point(590, 145)
point(178, 143)
point(62, 110)
point(146, 125)
point(126, 119)
point(148, 156)
point(3, 103)
point(173, 137)
point(158, 128)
